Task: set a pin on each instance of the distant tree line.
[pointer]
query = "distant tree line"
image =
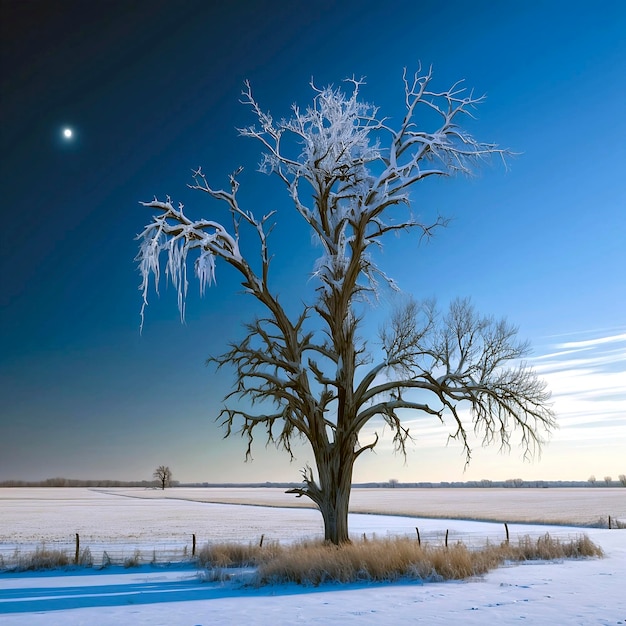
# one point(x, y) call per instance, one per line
point(487, 483)
point(77, 482)
point(393, 483)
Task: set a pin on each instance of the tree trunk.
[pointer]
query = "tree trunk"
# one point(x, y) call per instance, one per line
point(335, 476)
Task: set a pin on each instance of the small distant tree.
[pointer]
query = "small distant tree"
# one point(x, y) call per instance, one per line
point(163, 475)
point(393, 482)
point(308, 373)
point(608, 480)
point(622, 479)
point(592, 480)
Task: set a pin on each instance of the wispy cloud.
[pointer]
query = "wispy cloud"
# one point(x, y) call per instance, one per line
point(587, 377)
point(594, 364)
point(593, 343)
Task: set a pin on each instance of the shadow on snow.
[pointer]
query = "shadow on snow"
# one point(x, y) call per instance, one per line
point(38, 599)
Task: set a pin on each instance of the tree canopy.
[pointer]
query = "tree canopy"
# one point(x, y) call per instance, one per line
point(348, 174)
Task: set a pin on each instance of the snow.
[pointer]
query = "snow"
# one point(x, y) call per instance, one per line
point(588, 591)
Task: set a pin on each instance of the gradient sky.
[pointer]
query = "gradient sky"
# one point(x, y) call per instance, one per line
point(151, 90)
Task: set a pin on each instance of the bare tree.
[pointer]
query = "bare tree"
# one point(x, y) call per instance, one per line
point(622, 479)
point(608, 480)
point(592, 480)
point(163, 475)
point(348, 173)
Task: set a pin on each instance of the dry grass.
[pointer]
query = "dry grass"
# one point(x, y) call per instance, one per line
point(44, 558)
point(547, 548)
point(390, 559)
point(379, 560)
point(237, 554)
point(41, 558)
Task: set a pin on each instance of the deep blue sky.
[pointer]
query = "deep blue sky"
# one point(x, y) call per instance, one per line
point(151, 90)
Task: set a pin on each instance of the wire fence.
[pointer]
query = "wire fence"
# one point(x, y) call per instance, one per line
point(101, 553)
point(96, 553)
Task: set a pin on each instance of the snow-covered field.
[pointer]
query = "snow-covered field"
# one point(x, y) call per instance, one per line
point(581, 506)
point(567, 592)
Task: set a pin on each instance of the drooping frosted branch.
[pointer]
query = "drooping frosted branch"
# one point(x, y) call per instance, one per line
point(174, 233)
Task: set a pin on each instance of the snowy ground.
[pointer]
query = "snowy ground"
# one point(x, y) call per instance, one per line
point(582, 506)
point(568, 592)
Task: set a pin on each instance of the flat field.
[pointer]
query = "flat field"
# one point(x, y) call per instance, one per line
point(570, 506)
point(566, 592)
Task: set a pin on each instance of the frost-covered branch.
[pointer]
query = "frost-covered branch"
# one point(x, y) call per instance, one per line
point(356, 167)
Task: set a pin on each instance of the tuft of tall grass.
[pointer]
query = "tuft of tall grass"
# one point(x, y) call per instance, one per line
point(550, 548)
point(41, 558)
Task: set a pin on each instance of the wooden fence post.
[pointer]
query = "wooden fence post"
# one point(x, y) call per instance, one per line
point(76, 554)
point(193, 545)
point(609, 522)
point(446, 537)
point(506, 528)
point(261, 542)
point(419, 540)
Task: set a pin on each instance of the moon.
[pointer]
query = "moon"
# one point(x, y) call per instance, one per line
point(68, 133)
